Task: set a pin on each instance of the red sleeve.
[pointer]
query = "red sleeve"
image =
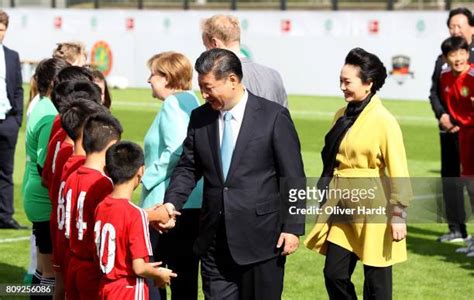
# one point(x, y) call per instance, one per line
point(139, 236)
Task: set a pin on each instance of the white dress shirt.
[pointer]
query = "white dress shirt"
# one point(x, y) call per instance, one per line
point(237, 116)
point(4, 102)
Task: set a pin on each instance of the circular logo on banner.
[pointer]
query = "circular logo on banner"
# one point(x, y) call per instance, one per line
point(101, 57)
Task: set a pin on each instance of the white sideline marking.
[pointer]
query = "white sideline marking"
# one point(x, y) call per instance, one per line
point(12, 240)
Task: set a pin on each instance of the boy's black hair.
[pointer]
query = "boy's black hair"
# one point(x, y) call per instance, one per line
point(73, 73)
point(75, 113)
point(454, 43)
point(67, 91)
point(99, 130)
point(46, 73)
point(123, 160)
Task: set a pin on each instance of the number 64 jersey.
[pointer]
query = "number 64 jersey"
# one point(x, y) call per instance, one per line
point(121, 235)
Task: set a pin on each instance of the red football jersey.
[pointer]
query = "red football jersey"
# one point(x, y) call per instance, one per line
point(61, 245)
point(55, 139)
point(89, 187)
point(60, 158)
point(457, 93)
point(64, 206)
point(121, 235)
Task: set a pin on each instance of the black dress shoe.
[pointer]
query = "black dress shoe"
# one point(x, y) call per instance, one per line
point(11, 224)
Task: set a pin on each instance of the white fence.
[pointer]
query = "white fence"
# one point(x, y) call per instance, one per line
point(307, 47)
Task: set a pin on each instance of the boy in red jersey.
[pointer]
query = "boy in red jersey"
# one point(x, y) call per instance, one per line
point(73, 116)
point(63, 92)
point(457, 87)
point(121, 231)
point(84, 189)
point(68, 74)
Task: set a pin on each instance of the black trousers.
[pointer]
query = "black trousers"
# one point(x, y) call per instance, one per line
point(8, 137)
point(175, 250)
point(224, 279)
point(452, 189)
point(338, 269)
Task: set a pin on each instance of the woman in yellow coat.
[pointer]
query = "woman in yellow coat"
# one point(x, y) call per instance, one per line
point(363, 147)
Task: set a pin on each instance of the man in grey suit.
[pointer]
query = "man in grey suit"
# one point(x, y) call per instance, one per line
point(222, 31)
point(243, 146)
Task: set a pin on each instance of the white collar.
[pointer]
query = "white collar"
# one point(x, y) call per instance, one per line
point(238, 110)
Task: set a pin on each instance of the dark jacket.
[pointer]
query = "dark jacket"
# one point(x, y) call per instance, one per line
point(14, 83)
point(267, 150)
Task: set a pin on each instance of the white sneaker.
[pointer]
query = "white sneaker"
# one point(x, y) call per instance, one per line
point(469, 247)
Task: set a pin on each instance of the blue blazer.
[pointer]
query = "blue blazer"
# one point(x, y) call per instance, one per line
point(163, 148)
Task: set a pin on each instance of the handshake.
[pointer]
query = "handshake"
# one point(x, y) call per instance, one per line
point(162, 217)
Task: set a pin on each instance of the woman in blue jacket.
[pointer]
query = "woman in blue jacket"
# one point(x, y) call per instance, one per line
point(171, 82)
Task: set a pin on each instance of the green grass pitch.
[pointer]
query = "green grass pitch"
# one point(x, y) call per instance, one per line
point(433, 270)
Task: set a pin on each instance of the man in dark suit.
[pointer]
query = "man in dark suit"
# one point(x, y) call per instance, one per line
point(11, 112)
point(242, 145)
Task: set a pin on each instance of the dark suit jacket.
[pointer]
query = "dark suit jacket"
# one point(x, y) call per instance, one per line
point(267, 149)
point(14, 83)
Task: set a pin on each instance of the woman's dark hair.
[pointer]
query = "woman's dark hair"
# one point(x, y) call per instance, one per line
point(461, 11)
point(454, 43)
point(371, 69)
point(122, 161)
point(73, 73)
point(220, 62)
point(46, 73)
point(67, 91)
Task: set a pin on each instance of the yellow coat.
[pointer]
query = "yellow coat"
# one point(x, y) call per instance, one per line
point(372, 148)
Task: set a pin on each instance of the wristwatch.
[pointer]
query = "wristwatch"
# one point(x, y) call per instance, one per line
point(401, 214)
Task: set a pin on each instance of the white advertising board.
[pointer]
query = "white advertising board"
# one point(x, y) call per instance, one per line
point(307, 47)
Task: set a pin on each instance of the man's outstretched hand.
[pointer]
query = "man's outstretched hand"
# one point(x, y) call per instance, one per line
point(169, 222)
